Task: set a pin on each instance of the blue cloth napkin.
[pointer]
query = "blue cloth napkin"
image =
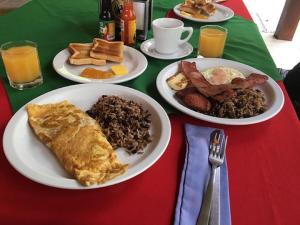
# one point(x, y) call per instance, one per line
point(195, 175)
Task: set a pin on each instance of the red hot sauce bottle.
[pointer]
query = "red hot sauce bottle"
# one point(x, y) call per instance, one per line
point(128, 24)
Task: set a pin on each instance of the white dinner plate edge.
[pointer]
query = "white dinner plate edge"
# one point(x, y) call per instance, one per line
point(75, 78)
point(71, 183)
point(275, 109)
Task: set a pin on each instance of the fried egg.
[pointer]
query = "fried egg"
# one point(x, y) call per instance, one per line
point(221, 75)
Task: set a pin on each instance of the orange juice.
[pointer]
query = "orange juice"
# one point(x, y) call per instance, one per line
point(21, 64)
point(212, 41)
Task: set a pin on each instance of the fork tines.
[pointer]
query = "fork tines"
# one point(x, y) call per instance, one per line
point(217, 143)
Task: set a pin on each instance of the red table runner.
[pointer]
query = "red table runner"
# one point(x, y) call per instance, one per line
point(262, 162)
point(239, 8)
point(263, 178)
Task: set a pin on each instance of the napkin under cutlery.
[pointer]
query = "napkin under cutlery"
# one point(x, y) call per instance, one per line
point(195, 175)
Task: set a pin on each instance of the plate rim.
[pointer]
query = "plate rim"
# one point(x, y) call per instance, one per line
point(218, 6)
point(65, 183)
point(142, 59)
point(162, 55)
point(224, 121)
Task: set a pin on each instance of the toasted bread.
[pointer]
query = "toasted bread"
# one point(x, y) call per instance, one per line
point(209, 9)
point(80, 55)
point(107, 50)
point(202, 2)
point(198, 8)
point(189, 9)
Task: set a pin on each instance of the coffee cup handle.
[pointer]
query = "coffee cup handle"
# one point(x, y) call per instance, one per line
point(188, 29)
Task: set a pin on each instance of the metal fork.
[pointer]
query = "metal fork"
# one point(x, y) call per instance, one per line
point(217, 146)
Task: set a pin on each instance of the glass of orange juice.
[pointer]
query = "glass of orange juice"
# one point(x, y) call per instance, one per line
point(212, 40)
point(22, 64)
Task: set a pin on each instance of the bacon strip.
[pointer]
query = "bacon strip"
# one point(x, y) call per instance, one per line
point(222, 91)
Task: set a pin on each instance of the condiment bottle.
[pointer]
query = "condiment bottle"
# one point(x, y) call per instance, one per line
point(117, 6)
point(128, 24)
point(106, 21)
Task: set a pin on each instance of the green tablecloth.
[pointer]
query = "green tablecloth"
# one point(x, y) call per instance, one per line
point(53, 24)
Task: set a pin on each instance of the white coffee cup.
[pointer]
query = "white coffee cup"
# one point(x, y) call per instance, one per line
point(167, 34)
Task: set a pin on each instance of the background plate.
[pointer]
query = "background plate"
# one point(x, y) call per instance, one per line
point(34, 160)
point(222, 13)
point(134, 60)
point(273, 93)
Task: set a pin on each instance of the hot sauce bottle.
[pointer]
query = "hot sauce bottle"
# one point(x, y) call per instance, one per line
point(128, 24)
point(106, 21)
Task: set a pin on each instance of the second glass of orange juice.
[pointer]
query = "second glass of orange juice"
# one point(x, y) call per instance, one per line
point(212, 40)
point(22, 65)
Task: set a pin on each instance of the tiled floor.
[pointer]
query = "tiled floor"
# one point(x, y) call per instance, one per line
point(286, 54)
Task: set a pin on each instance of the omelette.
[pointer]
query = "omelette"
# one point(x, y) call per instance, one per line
point(76, 140)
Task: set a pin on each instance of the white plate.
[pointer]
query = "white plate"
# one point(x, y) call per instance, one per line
point(134, 60)
point(273, 93)
point(148, 47)
point(32, 159)
point(222, 13)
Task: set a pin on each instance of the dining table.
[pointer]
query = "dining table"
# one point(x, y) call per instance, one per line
point(263, 158)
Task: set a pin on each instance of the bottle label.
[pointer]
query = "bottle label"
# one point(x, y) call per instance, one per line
point(128, 32)
point(107, 30)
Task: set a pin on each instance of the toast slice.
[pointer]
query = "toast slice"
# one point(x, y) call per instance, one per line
point(189, 9)
point(108, 50)
point(209, 9)
point(200, 7)
point(80, 55)
point(202, 2)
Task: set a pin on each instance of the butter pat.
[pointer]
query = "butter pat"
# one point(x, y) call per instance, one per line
point(119, 70)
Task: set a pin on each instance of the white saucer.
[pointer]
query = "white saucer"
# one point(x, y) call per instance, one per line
point(148, 48)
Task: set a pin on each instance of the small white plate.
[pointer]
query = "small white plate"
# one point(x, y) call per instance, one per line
point(148, 47)
point(134, 60)
point(222, 13)
point(35, 161)
point(273, 93)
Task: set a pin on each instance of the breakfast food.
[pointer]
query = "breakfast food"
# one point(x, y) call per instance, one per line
point(177, 81)
point(231, 95)
point(194, 100)
point(247, 103)
point(98, 53)
point(125, 123)
point(96, 74)
point(198, 8)
point(76, 140)
point(119, 70)
point(221, 75)
point(80, 55)
point(107, 50)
